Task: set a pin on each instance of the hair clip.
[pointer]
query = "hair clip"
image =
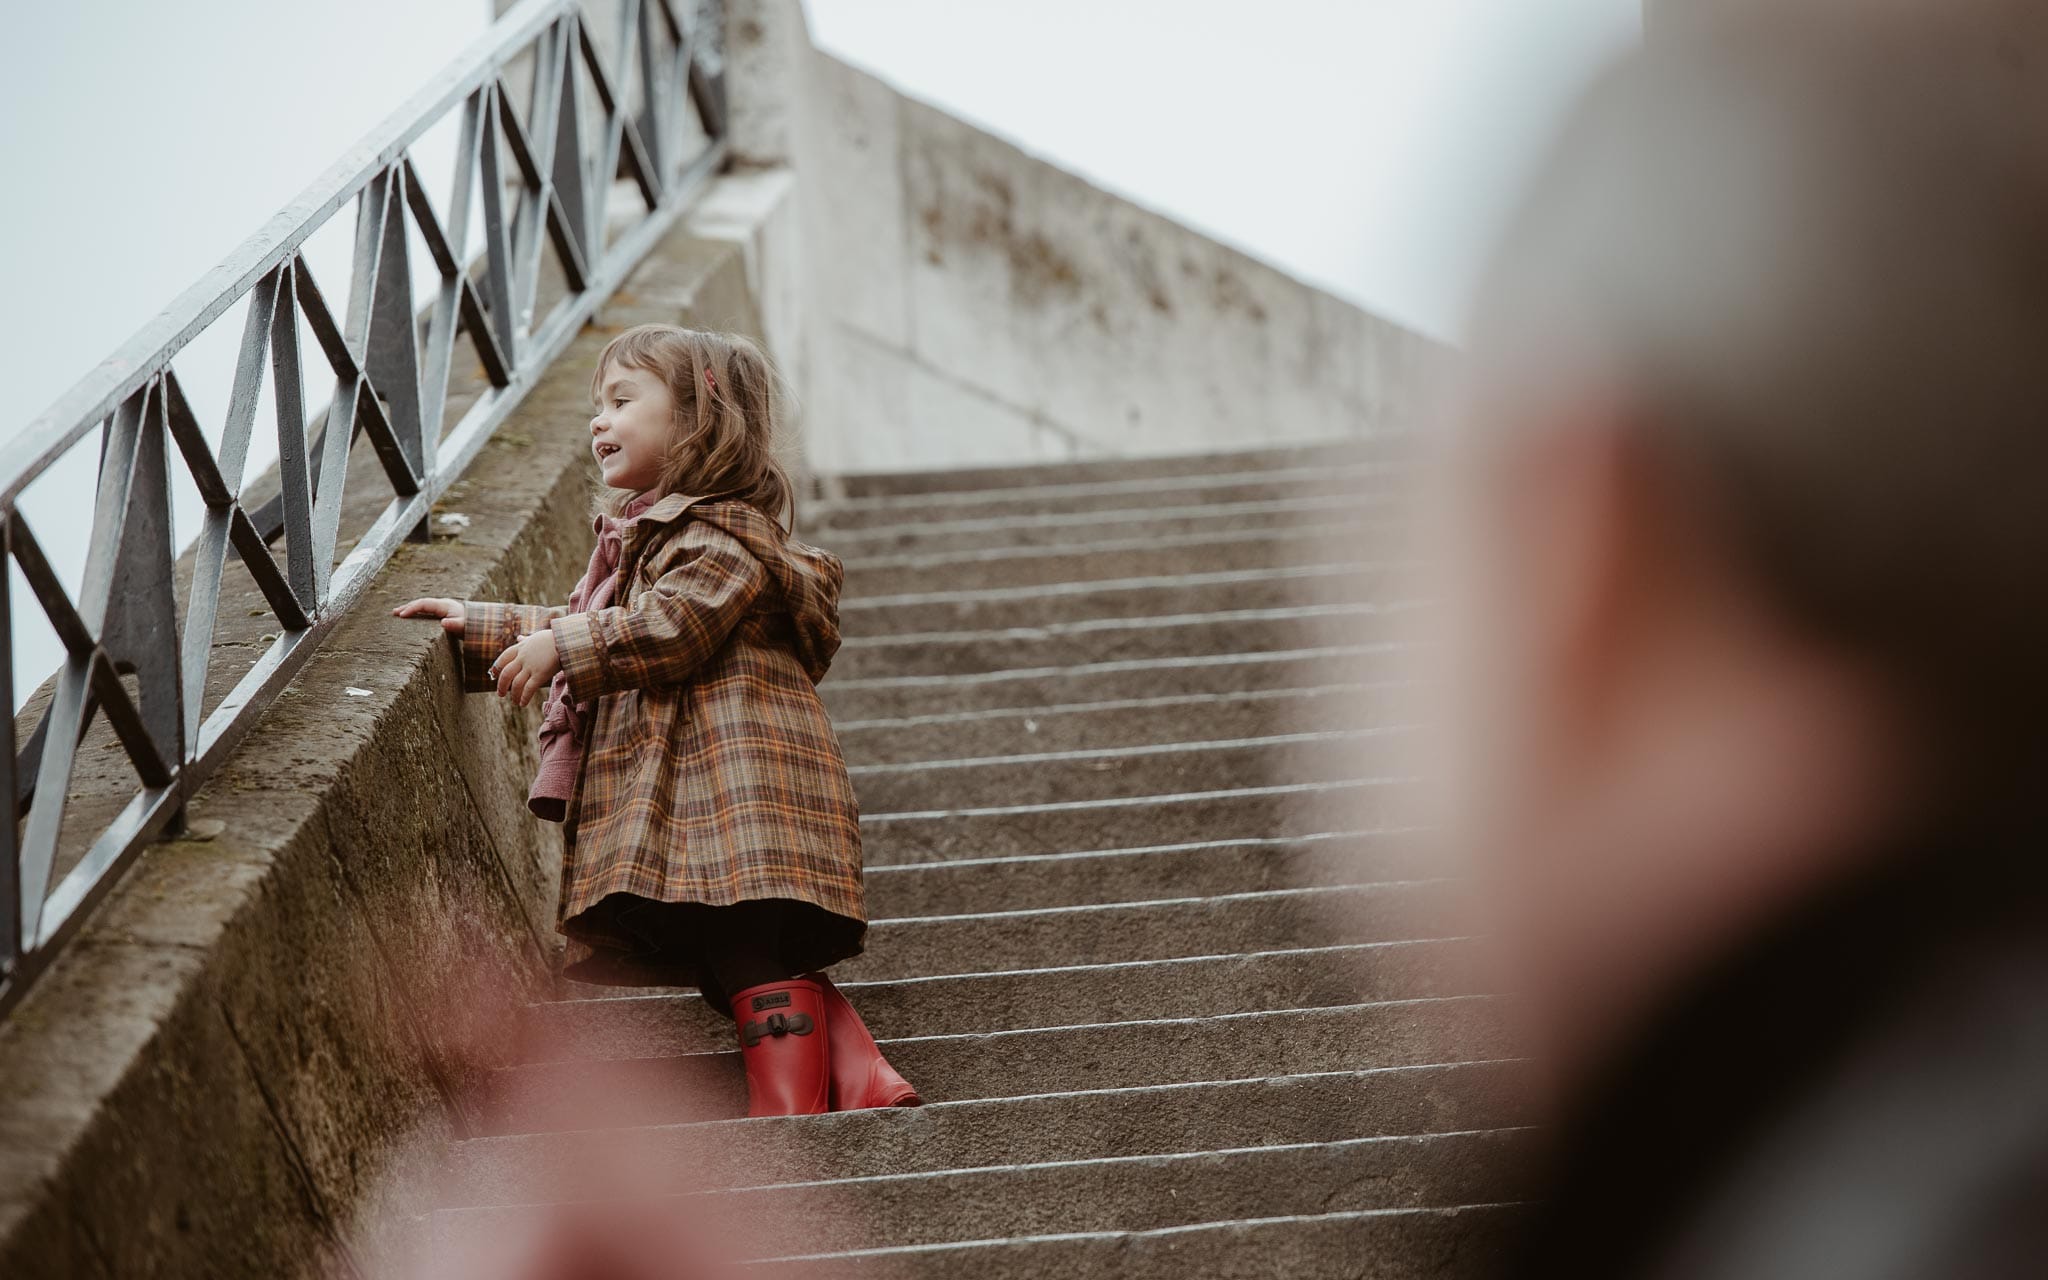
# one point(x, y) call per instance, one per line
point(710, 381)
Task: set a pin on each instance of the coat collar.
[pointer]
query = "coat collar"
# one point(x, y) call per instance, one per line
point(665, 510)
point(668, 508)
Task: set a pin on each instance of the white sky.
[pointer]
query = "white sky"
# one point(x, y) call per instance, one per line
point(1365, 145)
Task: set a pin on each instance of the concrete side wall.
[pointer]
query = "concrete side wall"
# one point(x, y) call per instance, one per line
point(971, 304)
point(245, 1064)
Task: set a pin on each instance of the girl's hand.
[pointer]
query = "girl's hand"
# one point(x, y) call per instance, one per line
point(526, 668)
point(448, 611)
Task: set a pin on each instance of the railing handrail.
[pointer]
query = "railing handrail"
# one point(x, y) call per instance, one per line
point(554, 191)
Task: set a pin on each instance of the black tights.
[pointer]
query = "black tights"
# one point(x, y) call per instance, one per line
point(740, 947)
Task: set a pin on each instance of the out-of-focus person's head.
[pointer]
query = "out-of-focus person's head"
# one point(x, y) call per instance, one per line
point(1751, 492)
point(1746, 615)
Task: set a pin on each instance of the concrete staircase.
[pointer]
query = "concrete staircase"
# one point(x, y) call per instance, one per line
point(1182, 999)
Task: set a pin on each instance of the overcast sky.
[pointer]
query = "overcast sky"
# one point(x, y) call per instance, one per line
point(1365, 145)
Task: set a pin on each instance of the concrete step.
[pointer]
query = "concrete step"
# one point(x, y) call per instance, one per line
point(1044, 776)
point(852, 700)
point(1457, 1243)
point(1148, 1120)
point(1158, 930)
point(1141, 1193)
point(651, 1026)
point(1013, 567)
point(537, 1097)
point(1196, 869)
point(1240, 813)
point(1041, 605)
point(1358, 483)
point(1125, 722)
point(862, 487)
point(1365, 496)
point(1120, 1193)
point(1094, 641)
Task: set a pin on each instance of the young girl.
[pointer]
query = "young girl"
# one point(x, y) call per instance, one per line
point(712, 834)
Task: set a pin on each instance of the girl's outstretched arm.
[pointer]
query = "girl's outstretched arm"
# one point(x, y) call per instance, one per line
point(484, 629)
point(708, 584)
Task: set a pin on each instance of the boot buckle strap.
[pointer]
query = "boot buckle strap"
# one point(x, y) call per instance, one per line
point(776, 1024)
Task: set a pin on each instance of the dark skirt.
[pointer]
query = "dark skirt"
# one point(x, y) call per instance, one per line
point(627, 940)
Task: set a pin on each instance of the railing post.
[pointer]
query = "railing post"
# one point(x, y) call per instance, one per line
point(10, 842)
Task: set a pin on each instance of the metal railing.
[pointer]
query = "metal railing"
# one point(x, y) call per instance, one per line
point(541, 183)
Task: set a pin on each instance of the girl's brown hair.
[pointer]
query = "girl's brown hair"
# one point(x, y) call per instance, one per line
point(726, 401)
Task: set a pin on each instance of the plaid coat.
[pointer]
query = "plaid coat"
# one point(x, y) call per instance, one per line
point(710, 772)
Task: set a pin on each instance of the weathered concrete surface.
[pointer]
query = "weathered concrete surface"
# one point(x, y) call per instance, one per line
point(1145, 874)
point(896, 696)
point(1134, 721)
point(1206, 591)
point(1171, 929)
point(244, 1064)
point(1125, 1192)
point(1072, 994)
point(1293, 465)
point(973, 304)
point(1281, 811)
point(1019, 1063)
point(1326, 1107)
point(766, 47)
point(1358, 1245)
point(1120, 640)
point(1215, 763)
point(1074, 500)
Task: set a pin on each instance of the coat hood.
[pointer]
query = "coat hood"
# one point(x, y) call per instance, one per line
point(807, 577)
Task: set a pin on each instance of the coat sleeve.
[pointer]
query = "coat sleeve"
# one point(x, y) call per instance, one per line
point(488, 629)
point(708, 582)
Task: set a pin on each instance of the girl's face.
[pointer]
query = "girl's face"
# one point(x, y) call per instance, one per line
point(629, 435)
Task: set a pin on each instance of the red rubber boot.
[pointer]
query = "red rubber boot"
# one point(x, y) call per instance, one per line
point(786, 1044)
point(861, 1076)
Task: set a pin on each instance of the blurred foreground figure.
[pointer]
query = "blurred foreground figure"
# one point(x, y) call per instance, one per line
point(1751, 641)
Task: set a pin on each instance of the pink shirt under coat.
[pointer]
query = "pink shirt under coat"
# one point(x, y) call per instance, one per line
point(563, 727)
